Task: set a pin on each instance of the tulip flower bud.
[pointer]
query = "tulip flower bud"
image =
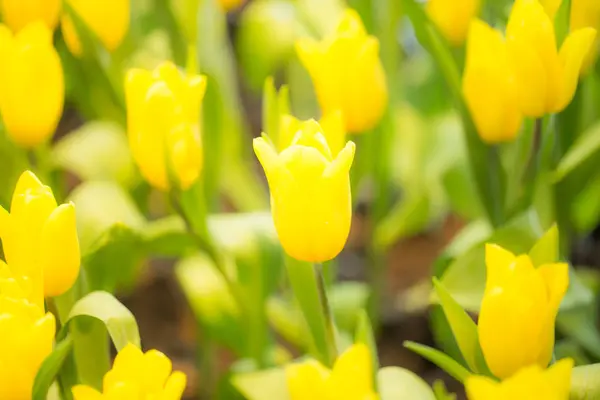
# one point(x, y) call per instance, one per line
point(40, 240)
point(332, 126)
point(350, 378)
point(163, 122)
point(347, 74)
point(529, 383)
point(137, 375)
point(310, 193)
point(19, 13)
point(545, 77)
point(518, 311)
point(26, 338)
point(453, 17)
point(107, 19)
point(489, 85)
point(32, 86)
point(586, 14)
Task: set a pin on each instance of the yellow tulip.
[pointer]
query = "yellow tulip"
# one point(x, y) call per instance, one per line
point(551, 7)
point(310, 193)
point(40, 240)
point(137, 375)
point(586, 14)
point(453, 17)
point(107, 19)
point(230, 5)
point(350, 379)
point(332, 128)
point(19, 13)
point(347, 74)
point(489, 85)
point(529, 383)
point(26, 338)
point(518, 311)
point(546, 78)
point(163, 122)
point(32, 86)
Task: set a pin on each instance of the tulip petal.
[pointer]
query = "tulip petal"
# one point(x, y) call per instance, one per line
point(4, 221)
point(352, 375)
point(310, 54)
point(342, 163)
point(334, 131)
point(311, 134)
point(59, 251)
point(27, 181)
point(84, 392)
point(573, 52)
point(175, 386)
point(306, 380)
point(482, 388)
point(268, 158)
point(351, 24)
point(157, 368)
point(559, 376)
point(556, 277)
point(498, 261)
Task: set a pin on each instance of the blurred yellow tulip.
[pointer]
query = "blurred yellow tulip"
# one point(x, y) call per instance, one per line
point(26, 338)
point(586, 14)
point(350, 379)
point(310, 193)
point(489, 85)
point(31, 84)
point(551, 7)
point(40, 239)
point(19, 13)
point(347, 74)
point(453, 17)
point(137, 375)
point(529, 383)
point(230, 5)
point(107, 19)
point(332, 128)
point(545, 77)
point(518, 311)
point(163, 122)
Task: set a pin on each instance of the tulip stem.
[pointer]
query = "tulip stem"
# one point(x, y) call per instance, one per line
point(533, 163)
point(329, 324)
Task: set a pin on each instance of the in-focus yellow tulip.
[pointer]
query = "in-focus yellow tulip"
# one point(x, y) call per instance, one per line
point(32, 88)
point(518, 311)
point(546, 78)
point(310, 193)
point(529, 383)
point(40, 240)
point(332, 128)
point(107, 19)
point(163, 122)
point(230, 5)
point(453, 17)
point(137, 375)
point(350, 379)
point(347, 73)
point(489, 85)
point(26, 338)
point(19, 13)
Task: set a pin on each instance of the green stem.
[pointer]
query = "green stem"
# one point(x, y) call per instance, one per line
point(326, 309)
point(206, 354)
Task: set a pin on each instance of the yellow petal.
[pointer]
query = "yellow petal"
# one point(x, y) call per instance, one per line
point(556, 277)
point(351, 24)
point(453, 18)
point(342, 163)
point(84, 392)
point(60, 251)
point(175, 386)
point(268, 158)
point(19, 13)
point(551, 7)
point(334, 131)
point(306, 380)
point(157, 368)
point(558, 376)
point(573, 52)
point(310, 134)
point(482, 388)
point(288, 127)
point(27, 181)
point(352, 375)
point(498, 262)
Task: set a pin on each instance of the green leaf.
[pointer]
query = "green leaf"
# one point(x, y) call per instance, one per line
point(579, 324)
point(347, 300)
point(287, 320)
point(365, 335)
point(440, 359)
point(50, 368)
point(96, 151)
point(118, 320)
point(406, 218)
point(585, 382)
point(399, 383)
point(545, 250)
point(440, 391)
point(262, 385)
point(464, 330)
point(586, 146)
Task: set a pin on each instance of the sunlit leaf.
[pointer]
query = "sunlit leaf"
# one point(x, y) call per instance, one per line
point(440, 359)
